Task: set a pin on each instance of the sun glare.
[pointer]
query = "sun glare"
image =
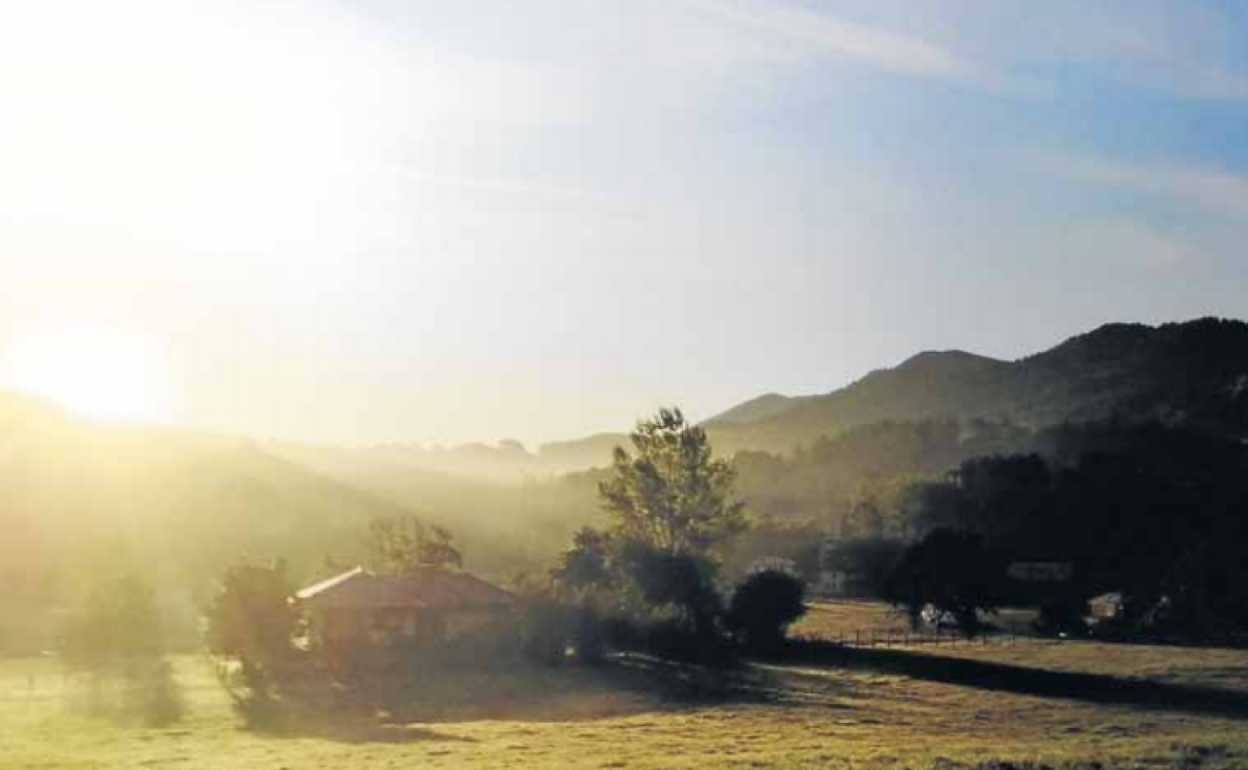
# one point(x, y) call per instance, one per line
point(100, 373)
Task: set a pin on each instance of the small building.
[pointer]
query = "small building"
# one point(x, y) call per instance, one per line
point(839, 584)
point(1041, 571)
point(1106, 607)
point(360, 608)
point(854, 568)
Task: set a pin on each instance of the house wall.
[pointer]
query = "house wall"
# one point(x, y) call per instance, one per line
point(461, 622)
point(388, 625)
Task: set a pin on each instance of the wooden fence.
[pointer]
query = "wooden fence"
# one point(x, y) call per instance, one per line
point(874, 637)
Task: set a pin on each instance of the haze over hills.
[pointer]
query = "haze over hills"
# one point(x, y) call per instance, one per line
point(1193, 373)
point(79, 495)
point(189, 502)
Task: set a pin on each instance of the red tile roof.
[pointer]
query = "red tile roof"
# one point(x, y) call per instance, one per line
point(426, 588)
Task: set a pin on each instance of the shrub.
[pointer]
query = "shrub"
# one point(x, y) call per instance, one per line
point(153, 694)
point(251, 630)
point(116, 642)
point(680, 583)
point(951, 570)
point(763, 606)
point(545, 630)
point(1064, 616)
point(589, 637)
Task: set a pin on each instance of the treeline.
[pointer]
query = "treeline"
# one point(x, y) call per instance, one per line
point(1154, 515)
point(824, 480)
point(1157, 514)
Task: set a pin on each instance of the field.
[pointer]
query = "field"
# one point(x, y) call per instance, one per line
point(1070, 704)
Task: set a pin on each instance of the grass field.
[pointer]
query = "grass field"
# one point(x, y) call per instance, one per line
point(969, 706)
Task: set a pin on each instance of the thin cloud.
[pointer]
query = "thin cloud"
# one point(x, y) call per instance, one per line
point(870, 46)
point(1218, 192)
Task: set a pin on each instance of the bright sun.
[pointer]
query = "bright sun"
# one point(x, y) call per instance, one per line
point(96, 372)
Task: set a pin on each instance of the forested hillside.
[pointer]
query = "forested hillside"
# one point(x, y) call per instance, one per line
point(76, 496)
point(79, 498)
point(1193, 374)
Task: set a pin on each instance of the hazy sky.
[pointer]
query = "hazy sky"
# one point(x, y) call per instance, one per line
point(366, 220)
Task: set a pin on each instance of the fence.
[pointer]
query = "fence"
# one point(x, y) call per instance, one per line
point(874, 637)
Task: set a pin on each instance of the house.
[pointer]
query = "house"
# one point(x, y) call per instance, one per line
point(360, 608)
point(1041, 571)
point(1106, 607)
point(850, 568)
point(834, 583)
point(834, 579)
point(1039, 578)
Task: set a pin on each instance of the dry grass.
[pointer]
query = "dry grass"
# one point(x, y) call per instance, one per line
point(764, 717)
point(843, 619)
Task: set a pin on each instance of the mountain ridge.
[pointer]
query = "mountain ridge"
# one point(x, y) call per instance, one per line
point(1175, 372)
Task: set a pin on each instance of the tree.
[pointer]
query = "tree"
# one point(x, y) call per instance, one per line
point(671, 495)
point(679, 582)
point(251, 629)
point(398, 545)
point(952, 571)
point(763, 606)
point(116, 639)
point(587, 565)
point(119, 624)
point(251, 618)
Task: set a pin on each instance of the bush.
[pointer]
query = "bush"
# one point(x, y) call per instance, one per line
point(251, 631)
point(680, 583)
point(589, 636)
point(1063, 617)
point(675, 640)
point(153, 694)
point(118, 625)
point(951, 570)
point(763, 606)
point(116, 642)
point(545, 631)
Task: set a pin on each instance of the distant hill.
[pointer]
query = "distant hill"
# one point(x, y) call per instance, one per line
point(755, 409)
point(75, 493)
point(183, 502)
point(1193, 374)
point(79, 497)
point(507, 462)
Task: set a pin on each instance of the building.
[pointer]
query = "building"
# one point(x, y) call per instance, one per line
point(1041, 571)
point(853, 568)
point(360, 608)
point(1106, 607)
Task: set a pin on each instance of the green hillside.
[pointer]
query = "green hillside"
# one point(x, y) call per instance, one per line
point(1193, 374)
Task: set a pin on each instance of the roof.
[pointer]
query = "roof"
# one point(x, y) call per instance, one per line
point(425, 588)
point(1113, 597)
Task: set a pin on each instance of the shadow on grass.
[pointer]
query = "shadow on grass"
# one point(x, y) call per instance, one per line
point(357, 730)
point(681, 684)
point(1093, 688)
point(623, 685)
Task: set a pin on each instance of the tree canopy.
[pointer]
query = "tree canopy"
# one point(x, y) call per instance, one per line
point(670, 493)
point(397, 545)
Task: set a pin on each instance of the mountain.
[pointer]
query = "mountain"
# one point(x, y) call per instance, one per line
point(77, 494)
point(80, 497)
point(185, 501)
point(1193, 374)
point(755, 409)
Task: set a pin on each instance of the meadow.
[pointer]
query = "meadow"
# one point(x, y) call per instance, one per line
point(961, 706)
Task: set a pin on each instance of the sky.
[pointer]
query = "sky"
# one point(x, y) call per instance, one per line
point(361, 221)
